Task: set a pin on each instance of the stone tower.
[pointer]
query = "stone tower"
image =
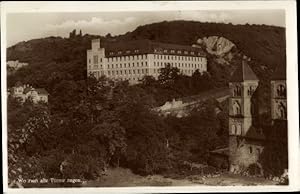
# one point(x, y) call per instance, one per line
point(278, 94)
point(244, 139)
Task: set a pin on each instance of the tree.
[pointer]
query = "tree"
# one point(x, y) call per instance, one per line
point(168, 74)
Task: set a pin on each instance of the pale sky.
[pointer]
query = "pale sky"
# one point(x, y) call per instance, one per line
point(27, 26)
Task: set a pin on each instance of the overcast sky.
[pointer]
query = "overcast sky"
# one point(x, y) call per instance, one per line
point(27, 26)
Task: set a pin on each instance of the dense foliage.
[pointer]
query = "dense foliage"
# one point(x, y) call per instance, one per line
point(93, 124)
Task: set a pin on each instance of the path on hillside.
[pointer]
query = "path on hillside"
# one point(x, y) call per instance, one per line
point(120, 177)
point(181, 106)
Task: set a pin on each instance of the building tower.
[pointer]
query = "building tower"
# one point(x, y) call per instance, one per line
point(278, 95)
point(243, 146)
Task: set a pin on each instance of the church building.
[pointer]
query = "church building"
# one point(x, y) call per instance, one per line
point(245, 139)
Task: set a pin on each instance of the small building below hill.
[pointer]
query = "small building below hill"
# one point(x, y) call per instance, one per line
point(25, 92)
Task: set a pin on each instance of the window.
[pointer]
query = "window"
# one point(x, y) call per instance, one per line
point(250, 91)
point(239, 130)
point(282, 111)
point(142, 64)
point(154, 64)
point(95, 59)
point(112, 66)
point(132, 64)
point(120, 65)
point(133, 71)
point(129, 71)
point(89, 60)
point(116, 65)
point(237, 91)
point(146, 63)
point(233, 129)
point(281, 91)
point(128, 64)
point(250, 150)
point(257, 150)
point(236, 108)
point(138, 71)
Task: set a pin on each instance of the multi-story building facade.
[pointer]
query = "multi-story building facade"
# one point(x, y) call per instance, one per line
point(133, 60)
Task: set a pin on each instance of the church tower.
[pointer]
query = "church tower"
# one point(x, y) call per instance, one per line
point(278, 94)
point(243, 150)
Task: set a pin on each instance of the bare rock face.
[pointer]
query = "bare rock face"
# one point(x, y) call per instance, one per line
point(216, 45)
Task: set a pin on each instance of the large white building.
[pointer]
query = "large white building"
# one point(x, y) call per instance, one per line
point(133, 60)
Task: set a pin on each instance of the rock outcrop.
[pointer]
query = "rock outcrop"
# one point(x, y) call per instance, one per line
point(215, 45)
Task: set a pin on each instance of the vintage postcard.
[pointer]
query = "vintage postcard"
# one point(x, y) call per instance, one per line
point(149, 97)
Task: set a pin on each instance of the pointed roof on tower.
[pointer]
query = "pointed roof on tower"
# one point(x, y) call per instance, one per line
point(243, 73)
point(280, 72)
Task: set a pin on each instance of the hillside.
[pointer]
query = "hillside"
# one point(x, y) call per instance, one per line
point(54, 59)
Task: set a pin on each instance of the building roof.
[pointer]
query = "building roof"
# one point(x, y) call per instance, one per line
point(26, 90)
point(18, 84)
point(144, 46)
point(221, 151)
point(243, 73)
point(255, 133)
point(41, 91)
point(279, 73)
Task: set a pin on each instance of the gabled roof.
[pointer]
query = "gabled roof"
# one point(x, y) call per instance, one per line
point(243, 73)
point(26, 90)
point(280, 72)
point(255, 133)
point(41, 91)
point(18, 84)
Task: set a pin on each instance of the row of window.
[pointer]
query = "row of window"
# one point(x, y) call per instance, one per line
point(237, 91)
point(184, 71)
point(127, 65)
point(183, 58)
point(96, 58)
point(126, 58)
point(172, 51)
point(127, 72)
point(179, 65)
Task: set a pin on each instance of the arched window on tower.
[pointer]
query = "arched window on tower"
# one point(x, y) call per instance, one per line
point(250, 91)
point(236, 108)
point(281, 111)
point(233, 129)
point(239, 130)
point(237, 91)
point(281, 91)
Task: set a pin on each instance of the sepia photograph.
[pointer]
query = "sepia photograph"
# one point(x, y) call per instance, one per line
point(149, 94)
